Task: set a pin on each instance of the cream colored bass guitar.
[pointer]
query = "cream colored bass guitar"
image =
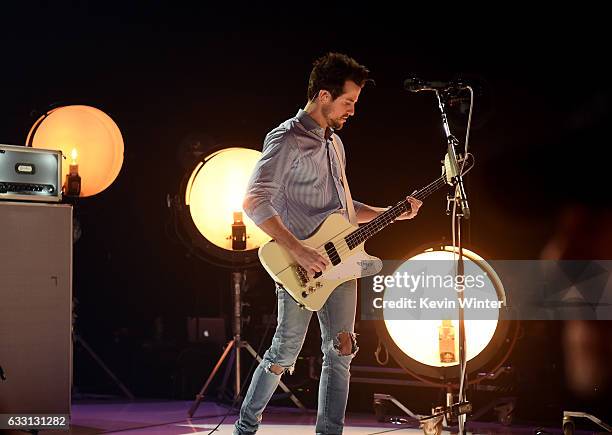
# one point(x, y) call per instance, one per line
point(343, 245)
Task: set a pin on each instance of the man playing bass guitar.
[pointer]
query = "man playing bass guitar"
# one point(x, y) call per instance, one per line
point(295, 186)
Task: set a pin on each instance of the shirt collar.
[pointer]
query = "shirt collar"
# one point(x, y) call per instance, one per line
point(312, 126)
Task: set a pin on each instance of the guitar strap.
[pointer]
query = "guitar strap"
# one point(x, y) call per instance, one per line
point(350, 208)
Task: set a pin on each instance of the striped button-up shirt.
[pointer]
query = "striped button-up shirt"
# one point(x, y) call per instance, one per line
point(298, 177)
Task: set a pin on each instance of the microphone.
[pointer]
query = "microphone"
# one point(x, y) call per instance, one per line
point(415, 84)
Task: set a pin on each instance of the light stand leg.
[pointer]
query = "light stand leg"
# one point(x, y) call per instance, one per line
point(200, 395)
point(226, 374)
point(237, 278)
point(286, 389)
point(568, 422)
point(79, 340)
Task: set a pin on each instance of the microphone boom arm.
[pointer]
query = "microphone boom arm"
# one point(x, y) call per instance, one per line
point(452, 155)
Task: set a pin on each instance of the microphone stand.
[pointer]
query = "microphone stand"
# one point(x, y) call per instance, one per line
point(460, 199)
point(452, 155)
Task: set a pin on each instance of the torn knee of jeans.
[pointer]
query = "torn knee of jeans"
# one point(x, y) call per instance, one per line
point(278, 369)
point(346, 343)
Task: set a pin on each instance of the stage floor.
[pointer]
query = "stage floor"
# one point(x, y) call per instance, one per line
point(170, 418)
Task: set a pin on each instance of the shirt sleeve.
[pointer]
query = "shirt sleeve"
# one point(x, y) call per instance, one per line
point(357, 205)
point(266, 185)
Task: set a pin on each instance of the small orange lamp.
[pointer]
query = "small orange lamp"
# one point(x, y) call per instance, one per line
point(72, 186)
point(88, 134)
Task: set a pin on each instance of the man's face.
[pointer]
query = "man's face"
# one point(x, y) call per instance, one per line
point(337, 111)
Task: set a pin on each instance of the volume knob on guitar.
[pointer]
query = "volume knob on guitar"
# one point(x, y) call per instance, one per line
point(308, 291)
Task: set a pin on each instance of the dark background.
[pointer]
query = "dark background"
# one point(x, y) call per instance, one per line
point(225, 75)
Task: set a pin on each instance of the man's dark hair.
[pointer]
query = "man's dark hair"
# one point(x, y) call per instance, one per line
point(329, 73)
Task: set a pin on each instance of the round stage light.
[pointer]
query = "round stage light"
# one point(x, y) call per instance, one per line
point(419, 345)
point(211, 207)
point(90, 141)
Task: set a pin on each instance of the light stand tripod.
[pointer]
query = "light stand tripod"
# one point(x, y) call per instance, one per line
point(234, 346)
point(76, 338)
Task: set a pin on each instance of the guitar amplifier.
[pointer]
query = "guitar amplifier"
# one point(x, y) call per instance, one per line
point(30, 174)
point(35, 308)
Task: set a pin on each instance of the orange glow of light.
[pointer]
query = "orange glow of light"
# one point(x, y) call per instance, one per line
point(419, 338)
point(215, 192)
point(87, 133)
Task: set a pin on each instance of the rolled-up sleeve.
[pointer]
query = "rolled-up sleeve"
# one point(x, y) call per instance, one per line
point(265, 190)
point(358, 205)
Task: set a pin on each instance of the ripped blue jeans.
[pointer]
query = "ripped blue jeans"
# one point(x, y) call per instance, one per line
point(337, 321)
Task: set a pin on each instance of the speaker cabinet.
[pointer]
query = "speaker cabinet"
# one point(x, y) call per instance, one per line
point(35, 308)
